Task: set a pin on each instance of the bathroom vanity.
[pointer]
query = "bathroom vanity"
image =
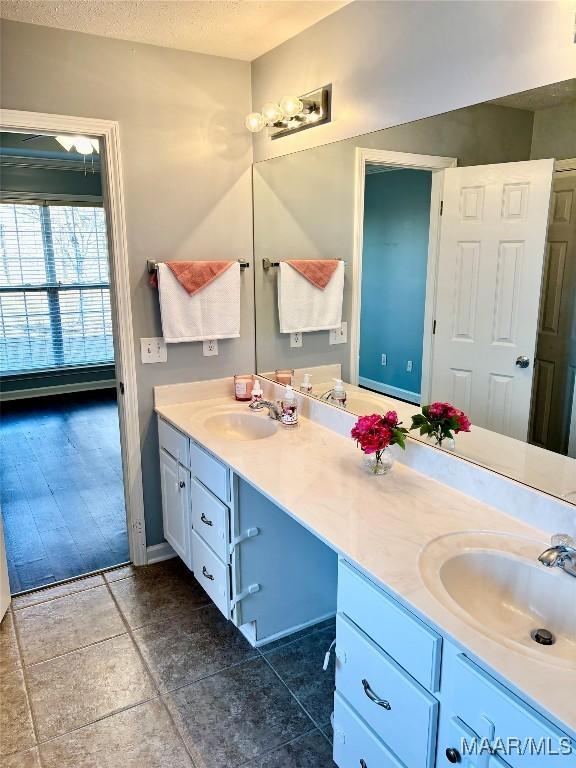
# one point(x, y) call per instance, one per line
point(283, 529)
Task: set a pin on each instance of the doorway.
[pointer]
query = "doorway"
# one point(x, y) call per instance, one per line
point(397, 222)
point(69, 412)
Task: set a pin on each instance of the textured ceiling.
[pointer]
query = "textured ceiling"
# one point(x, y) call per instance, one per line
point(244, 29)
point(541, 98)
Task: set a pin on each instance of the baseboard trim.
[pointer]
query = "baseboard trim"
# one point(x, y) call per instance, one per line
point(385, 389)
point(158, 552)
point(59, 389)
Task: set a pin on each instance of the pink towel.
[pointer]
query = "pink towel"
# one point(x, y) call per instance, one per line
point(318, 271)
point(195, 275)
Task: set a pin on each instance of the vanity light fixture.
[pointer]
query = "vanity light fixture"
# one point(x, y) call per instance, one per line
point(292, 113)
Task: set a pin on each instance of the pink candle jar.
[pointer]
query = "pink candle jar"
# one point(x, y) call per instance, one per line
point(243, 384)
point(284, 376)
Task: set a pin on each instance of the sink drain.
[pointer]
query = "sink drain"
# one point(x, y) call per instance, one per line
point(543, 636)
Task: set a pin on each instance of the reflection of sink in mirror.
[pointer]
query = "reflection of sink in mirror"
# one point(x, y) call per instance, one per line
point(414, 331)
point(495, 583)
point(240, 426)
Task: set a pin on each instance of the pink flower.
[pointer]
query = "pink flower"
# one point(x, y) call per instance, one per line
point(391, 418)
point(372, 433)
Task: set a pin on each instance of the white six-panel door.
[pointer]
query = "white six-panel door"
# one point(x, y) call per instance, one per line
point(491, 254)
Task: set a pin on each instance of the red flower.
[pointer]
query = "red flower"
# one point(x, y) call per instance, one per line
point(374, 433)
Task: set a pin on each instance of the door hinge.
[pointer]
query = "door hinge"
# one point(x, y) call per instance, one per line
point(441, 207)
point(433, 327)
point(121, 387)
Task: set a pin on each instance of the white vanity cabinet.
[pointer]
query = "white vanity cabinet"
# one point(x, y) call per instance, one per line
point(262, 569)
point(408, 698)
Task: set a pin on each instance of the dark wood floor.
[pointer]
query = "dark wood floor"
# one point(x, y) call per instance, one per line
point(61, 487)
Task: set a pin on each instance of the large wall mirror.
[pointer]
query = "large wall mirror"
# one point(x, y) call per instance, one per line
point(458, 238)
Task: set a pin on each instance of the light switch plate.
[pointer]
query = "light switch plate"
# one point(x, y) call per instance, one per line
point(153, 350)
point(339, 335)
point(210, 347)
point(296, 339)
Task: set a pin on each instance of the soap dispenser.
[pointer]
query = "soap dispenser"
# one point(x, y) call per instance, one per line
point(339, 393)
point(257, 392)
point(306, 385)
point(289, 408)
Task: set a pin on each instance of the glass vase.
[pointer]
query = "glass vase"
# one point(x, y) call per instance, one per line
point(379, 463)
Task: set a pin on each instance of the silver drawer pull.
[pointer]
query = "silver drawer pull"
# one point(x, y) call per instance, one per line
point(372, 696)
point(205, 519)
point(206, 574)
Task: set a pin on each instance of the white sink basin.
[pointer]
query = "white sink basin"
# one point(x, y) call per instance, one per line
point(232, 425)
point(495, 583)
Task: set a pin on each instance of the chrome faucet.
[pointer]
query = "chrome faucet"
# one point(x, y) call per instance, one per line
point(273, 410)
point(561, 554)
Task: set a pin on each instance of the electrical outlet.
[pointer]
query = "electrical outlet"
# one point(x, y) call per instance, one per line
point(338, 335)
point(384, 360)
point(296, 339)
point(409, 366)
point(210, 347)
point(153, 350)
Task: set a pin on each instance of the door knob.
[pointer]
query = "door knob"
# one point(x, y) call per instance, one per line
point(522, 361)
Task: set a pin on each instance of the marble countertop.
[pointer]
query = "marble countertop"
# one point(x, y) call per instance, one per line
point(380, 524)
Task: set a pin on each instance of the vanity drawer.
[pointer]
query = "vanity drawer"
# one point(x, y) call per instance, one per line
point(211, 573)
point(210, 519)
point(402, 635)
point(407, 715)
point(495, 713)
point(355, 744)
point(173, 442)
point(211, 472)
point(463, 740)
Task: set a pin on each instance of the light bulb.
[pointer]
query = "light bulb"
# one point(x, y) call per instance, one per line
point(291, 106)
point(83, 145)
point(255, 122)
point(272, 113)
point(66, 141)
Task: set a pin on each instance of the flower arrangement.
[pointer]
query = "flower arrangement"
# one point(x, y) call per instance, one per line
point(440, 421)
point(374, 434)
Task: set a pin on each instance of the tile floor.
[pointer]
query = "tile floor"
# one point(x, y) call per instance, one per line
point(137, 668)
point(61, 487)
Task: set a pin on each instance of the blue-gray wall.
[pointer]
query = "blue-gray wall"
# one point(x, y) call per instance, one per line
point(394, 260)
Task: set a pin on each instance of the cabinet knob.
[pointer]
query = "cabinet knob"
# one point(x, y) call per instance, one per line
point(453, 755)
point(181, 484)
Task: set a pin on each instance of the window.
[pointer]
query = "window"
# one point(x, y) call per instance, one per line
point(54, 287)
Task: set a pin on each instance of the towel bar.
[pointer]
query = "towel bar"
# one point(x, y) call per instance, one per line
point(267, 264)
point(152, 266)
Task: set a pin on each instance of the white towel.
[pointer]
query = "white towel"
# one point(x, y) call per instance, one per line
point(304, 307)
point(212, 313)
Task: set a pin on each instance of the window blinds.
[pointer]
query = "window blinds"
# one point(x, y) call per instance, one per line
point(54, 287)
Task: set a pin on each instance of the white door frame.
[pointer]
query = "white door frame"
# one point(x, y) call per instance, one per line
point(108, 132)
point(433, 163)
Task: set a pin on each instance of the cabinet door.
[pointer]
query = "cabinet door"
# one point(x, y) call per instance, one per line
point(176, 511)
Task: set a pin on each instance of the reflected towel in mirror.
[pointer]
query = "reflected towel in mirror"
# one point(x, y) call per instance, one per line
point(304, 307)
